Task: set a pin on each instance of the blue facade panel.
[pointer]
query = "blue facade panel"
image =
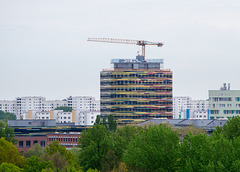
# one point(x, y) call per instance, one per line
point(187, 113)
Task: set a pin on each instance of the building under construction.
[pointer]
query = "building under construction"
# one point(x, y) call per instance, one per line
point(136, 90)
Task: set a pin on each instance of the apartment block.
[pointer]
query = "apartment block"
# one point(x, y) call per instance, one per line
point(224, 103)
point(186, 108)
point(22, 105)
point(78, 117)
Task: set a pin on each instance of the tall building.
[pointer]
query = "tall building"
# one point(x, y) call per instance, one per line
point(224, 103)
point(186, 108)
point(136, 90)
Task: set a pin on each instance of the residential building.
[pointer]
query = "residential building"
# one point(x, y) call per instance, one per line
point(8, 106)
point(186, 108)
point(136, 90)
point(22, 105)
point(78, 117)
point(224, 103)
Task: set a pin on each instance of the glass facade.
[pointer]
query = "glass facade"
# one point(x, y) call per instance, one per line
point(136, 94)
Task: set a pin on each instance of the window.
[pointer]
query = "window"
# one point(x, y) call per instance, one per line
point(28, 144)
point(42, 143)
point(20, 143)
point(34, 142)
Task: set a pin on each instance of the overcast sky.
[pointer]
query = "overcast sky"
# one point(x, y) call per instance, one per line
point(44, 49)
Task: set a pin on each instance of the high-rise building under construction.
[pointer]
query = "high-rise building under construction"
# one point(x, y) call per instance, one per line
point(136, 90)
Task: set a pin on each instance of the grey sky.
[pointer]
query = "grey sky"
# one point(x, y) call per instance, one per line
point(44, 52)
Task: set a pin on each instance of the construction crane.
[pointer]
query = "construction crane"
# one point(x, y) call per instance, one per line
point(127, 41)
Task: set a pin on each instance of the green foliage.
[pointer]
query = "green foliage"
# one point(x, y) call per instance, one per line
point(231, 128)
point(104, 121)
point(122, 138)
point(91, 170)
point(5, 116)
point(61, 157)
point(64, 108)
point(112, 124)
point(155, 149)
point(98, 120)
point(10, 154)
point(5, 167)
point(36, 150)
point(34, 164)
point(206, 153)
point(95, 144)
point(7, 132)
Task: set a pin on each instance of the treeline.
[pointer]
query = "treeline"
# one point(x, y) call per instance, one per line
point(5, 116)
point(159, 148)
point(152, 148)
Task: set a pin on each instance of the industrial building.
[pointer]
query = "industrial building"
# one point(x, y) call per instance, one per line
point(136, 90)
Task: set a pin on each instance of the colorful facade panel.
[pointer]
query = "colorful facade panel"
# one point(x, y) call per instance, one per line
point(136, 94)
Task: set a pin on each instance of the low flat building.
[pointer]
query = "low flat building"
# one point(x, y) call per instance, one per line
point(206, 124)
point(32, 123)
point(25, 142)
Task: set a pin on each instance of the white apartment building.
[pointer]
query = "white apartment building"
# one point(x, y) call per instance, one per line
point(186, 108)
point(180, 106)
point(22, 105)
point(85, 103)
point(48, 105)
point(8, 106)
point(84, 118)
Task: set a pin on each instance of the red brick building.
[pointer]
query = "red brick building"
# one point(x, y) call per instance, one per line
point(25, 142)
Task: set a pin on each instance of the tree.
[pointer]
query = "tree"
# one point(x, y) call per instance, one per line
point(112, 124)
point(5, 116)
point(64, 108)
point(60, 156)
point(34, 164)
point(104, 121)
point(95, 144)
point(5, 167)
point(36, 150)
point(231, 128)
point(7, 132)
point(10, 154)
point(208, 153)
point(155, 149)
point(98, 120)
point(122, 137)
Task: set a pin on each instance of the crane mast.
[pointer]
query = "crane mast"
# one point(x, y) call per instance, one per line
point(127, 41)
